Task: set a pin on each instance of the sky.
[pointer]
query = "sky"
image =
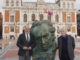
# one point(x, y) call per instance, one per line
point(77, 3)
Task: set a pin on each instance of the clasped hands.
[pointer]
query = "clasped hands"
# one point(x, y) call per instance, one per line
point(27, 48)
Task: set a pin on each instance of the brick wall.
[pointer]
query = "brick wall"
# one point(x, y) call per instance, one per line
point(6, 15)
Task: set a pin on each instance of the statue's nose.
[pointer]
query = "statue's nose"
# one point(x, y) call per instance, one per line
point(43, 40)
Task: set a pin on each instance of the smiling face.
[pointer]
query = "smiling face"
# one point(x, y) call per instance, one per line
point(27, 29)
point(63, 31)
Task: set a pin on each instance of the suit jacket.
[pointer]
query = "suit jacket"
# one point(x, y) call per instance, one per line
point(71, 46)
point(21, 42)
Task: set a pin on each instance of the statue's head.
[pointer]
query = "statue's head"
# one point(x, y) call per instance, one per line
point(43, 32)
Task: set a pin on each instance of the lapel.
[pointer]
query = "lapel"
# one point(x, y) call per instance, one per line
point(24, 37)
point(68, 41)
point(61, 41)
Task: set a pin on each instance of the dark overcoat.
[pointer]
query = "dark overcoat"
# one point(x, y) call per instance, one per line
point(70, 47)
point(21, 42)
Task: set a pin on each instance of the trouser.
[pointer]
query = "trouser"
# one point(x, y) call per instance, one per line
point(65, 57)
point(25, 57)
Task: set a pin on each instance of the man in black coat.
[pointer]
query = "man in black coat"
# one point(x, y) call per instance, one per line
point(26, 44)
point(66, 46)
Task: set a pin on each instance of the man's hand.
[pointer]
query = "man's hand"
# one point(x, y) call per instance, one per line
point(30, 48)
point(25, 48)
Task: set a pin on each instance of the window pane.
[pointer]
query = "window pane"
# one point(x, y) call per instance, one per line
point(11, 18)
point(11, 28)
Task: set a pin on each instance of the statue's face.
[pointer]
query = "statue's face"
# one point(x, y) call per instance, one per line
point(43, 36)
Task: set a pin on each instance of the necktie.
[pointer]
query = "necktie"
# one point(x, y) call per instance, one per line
point(27, 37)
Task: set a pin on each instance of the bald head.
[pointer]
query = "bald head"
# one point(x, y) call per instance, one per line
point(27, 29)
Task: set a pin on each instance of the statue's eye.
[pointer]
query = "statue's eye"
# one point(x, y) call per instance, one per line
point(46, 35)
point(38, 38)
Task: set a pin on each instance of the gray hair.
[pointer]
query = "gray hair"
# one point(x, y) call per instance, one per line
point(63, 28)
point(26, 27)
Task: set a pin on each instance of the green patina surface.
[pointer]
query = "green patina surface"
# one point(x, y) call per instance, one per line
point(43, 32)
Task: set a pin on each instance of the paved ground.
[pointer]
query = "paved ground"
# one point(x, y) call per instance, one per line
point(11, 53)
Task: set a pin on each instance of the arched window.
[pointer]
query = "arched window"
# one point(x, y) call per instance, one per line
point(41, 16)
point(7, 2)
point(12, 3)
point(49, 17)
point(57, 18)
point(17, 3)
point(33, 17)
point(25, 17)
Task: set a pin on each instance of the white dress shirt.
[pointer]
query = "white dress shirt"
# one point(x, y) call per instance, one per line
point(27, 37)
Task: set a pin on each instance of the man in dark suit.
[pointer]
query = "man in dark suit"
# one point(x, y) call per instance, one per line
point(66, 46)
point(26, 44)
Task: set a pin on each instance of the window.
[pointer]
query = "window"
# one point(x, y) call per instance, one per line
point(68, 5)
point(17, 3)
point(7, 2)
point(68, 28)
point(11, 18)
point(64, 5)
point(41, 16)
point(72, 5)
point(33, 17)
point(11, 28)
point(17, 29)
point(25, 17)
point(68, 19)
point(57, 18)
point(12, 3)
point(49, 17)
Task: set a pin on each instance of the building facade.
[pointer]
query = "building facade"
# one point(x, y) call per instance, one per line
point(17, 14)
